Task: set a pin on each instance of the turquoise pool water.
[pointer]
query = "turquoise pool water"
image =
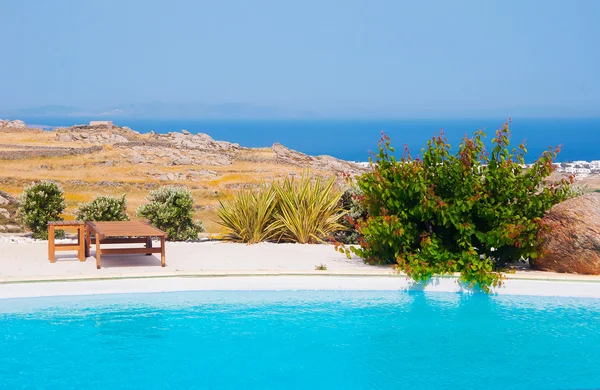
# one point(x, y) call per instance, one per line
point(299, 340)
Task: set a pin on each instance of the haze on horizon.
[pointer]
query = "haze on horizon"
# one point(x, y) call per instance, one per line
point(328, 58)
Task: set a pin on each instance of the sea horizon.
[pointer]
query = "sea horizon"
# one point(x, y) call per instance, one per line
point(352, 139)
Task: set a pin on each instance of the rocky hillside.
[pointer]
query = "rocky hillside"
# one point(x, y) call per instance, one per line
point(184, 148)
point(88, 160)
point(8, 214)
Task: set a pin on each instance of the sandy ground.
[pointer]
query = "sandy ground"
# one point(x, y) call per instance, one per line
point(26, 272)
point(24, 261)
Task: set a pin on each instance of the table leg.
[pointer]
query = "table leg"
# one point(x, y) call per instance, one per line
point(148, 245)
point(87, 240)
point(163, 260)
point(51, 252)
point(98, 252)
point(81, 242)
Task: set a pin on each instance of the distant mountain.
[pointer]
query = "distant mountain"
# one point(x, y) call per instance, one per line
point(49, 110)
point(165, 110)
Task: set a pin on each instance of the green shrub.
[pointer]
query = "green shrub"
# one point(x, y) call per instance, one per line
point(250, 216)
point(309, 210)
point(469, 212)
point(40, 203)
point(350, 202)
point(103, 208)
point(171, 209)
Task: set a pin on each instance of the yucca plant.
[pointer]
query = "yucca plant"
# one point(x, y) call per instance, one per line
point(251, 216)
point(309, 210)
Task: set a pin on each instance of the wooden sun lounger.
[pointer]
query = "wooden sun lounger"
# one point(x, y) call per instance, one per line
point(125, 232)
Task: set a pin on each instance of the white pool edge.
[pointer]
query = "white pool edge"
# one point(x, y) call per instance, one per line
point(578, 289)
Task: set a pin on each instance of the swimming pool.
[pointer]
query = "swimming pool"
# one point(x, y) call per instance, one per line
point(301, 339)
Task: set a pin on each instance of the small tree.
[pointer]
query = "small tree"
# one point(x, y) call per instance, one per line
point(171, 209)
point(468, 212)
point(103, 208)
point(40, 203)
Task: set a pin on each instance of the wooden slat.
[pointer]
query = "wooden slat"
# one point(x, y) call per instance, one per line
point(130, 251)
point(125, 228)
point(66, 247)
point(65, 223)
point(120, 240)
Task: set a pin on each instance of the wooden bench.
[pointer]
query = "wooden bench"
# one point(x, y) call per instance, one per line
point(125, 232)
point(53, 247)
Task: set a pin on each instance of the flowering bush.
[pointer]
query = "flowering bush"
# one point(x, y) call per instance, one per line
point(469, 212)
point(171, 209)
point(40, 203)
point(103, 208)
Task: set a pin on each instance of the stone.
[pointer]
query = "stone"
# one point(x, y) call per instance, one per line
point(111, 183)
point(2, 229)
point(6, 198)
point(119, 138)
point(182, 161)
point(5, 213)
point(571, 242)
point(185, 132)
point(16, 124)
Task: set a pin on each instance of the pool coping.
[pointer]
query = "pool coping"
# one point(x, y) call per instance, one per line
point(514, 284)
point(519, 275)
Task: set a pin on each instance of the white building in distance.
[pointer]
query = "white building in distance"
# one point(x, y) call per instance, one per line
point(108, 124)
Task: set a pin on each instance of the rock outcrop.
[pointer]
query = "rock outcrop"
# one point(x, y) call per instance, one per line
point(184, 148)
point(6, 198)
point(571, 242)
point(174, 148)
point(322, 163)
point(9, 125)
point(8, 214)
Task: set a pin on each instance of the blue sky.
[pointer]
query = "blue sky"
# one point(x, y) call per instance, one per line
point(418, 58)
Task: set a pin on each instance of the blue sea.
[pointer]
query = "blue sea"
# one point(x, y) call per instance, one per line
point(300, 340)
point(353, 139)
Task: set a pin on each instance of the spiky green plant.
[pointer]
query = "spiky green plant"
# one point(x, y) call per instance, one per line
point(309, 209)
point(250, 216)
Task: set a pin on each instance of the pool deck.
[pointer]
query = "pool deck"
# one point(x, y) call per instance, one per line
point(26, 272)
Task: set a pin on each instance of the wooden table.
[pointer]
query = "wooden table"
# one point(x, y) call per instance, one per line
point(125, 232)
point(53, 246)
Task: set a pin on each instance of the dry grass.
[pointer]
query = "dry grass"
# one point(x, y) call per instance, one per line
point(80, 175)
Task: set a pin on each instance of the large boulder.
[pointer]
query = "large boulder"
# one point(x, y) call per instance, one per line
point(6, 198)
point(16, 124)
point(572, 241)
